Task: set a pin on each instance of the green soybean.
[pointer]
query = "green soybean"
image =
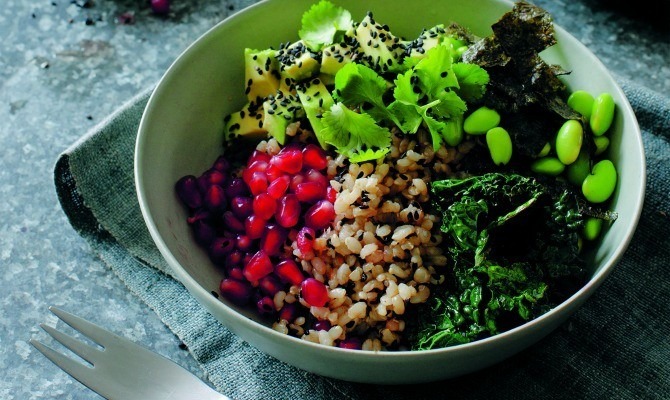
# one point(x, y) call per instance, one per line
point(545, 150)
point(481, 120)
point(602, 114)
point(599, 185)
point(453, 131)
point(602, 143)
point(592, 228)
point(579, 170)
point(500, 145)
point(569, 141)
point(551, 166)
point(582, 102)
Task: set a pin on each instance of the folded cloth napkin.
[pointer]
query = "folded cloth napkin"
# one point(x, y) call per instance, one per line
point(616, 346)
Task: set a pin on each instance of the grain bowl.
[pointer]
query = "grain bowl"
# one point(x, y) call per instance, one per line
point(374, 243)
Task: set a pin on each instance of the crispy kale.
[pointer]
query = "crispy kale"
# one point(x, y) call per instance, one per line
point(513, 244)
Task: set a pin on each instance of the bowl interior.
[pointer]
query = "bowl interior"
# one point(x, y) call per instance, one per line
point(181, 129)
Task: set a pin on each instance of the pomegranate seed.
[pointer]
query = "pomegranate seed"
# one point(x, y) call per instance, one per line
point(258, 266)
point(320, 215)
point(236, 273)
point(243, 242)
point(273, 239)
point(288, 312)
point(220, 248)
point(322, 325)
point(277, 188)
point(241, 206)
point(270, 285)
point(289, 159)
point(264, 206)
point(331, 194)
point(198, 215)
point(289, 272)
point(204, 232)
point(313, 156)
point(236, 187)
point(231, 223)
point(274, 172)
point(352, 343)
point(187, 190)
point(305, 240)
point(309, 192)
point(288, 211)
point(295, 181)
point(160, 6)
point(246, 257)
point(215, 199)
point(236, 291)
point(221, 164)
point(312, 175)
point(265, 306)
point(258, 183)
point(314, 292)
point(211, 177)
point(254, 226)
point(258, 156)
point(233, 258)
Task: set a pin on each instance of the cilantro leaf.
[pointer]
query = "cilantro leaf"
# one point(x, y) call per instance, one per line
point(358, 85)
point(472, 81)
point(324, 23)
point(404, 108)
point(356, 135)
point(435, 127)
point(450, 105)
point(434, 71)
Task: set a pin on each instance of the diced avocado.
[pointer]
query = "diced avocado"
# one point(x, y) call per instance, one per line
point(279, 110)
point(315, 99)
point(297, 62)
point(416, 49)
point(248, 122)
point(379, 49)
point(261, 73)
point(335, 56)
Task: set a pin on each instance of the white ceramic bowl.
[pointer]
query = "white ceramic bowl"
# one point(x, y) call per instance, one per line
point(181, 132)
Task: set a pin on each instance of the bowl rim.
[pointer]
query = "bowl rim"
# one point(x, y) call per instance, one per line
point(209, 302)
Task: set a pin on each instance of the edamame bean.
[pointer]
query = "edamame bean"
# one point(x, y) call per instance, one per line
point(592, 228)
point(582, 102)
point(551, 166)
point(602, 143)
point(500, 145)
point(599, 185)
point(579, 170)
point(481, 120)
point(453, 131)
point(569, 141)
point(602, 114)
point(545, 150)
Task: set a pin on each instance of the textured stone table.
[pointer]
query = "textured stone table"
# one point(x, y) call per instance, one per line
point(65, 65)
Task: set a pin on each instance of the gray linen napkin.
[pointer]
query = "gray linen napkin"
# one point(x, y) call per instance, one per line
point(616, 346)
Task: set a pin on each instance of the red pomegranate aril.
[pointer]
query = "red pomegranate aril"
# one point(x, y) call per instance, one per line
point(220, 248)
point(188, 192)
point(331, 194)
point(232, 223)
point(236, 273)
point(258, 266)
point(243, 242)
point(288, 211)
point(241, 206)
point(236, 187)
point(322, 325)
point(236, 291)
point(204, 232)
point(215, 199)
point(288, 312)
point(198, 215)
point(233, 258)
point(258, 183)
point(258, 156)
point(309, 192)
point(254, 226)
point(221, 164)
point(273, 172)
point(273, 239)
point(211, 177)
point(312, 175)
point(265, 306)
point(305, 240)
point(313, 156)
point(295, 181)
point(289, 159)
point(289, 272)
point(352, 343)
point(277, 188)
point(264, 206)
point(320, 215)
point(314, 292)
point(270, 285)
